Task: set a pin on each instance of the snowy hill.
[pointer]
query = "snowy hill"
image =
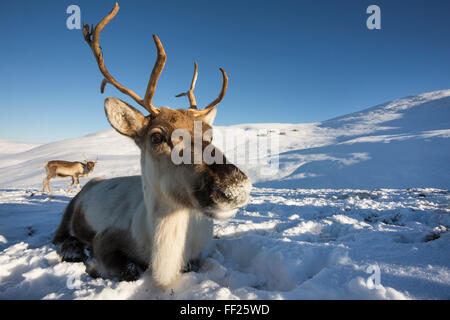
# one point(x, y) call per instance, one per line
point(117, 156)
point(8, 147)
point(352, 194)
point(400, 144)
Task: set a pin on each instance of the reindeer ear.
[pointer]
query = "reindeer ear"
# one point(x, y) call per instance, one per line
point(123, 117)
point(209, 117)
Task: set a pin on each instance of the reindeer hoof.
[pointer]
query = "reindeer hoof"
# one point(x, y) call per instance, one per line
point(72, 250)
point(131, 273)
point(92, 270)
point(192, 265)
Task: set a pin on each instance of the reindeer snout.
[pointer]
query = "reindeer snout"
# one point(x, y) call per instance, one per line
point(234, 190)
point(225, 191)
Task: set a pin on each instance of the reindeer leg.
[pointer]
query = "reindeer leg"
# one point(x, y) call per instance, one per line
point(47, 183)
point(77, 180)
point(114, 256)
point(71, 184)
point(72, 250)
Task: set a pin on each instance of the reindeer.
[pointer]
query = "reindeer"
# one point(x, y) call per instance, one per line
point(162, 219)
point(61, 168)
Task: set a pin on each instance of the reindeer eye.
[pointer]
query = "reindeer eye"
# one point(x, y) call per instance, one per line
point(157, 138)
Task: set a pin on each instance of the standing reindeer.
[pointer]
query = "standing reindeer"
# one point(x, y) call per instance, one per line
point(61, 168)
point(161, 220)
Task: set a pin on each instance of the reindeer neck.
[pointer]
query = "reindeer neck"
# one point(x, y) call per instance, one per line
point(155, 200)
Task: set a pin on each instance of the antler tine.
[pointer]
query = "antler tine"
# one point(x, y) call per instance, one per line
point(92, 37)
point(103, 85)
point(221, 94)
point(156, 72)
point(190, 92)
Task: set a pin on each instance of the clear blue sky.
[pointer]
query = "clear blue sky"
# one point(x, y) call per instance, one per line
point(287, 61)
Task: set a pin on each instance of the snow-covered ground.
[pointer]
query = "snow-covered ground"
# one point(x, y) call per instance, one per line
point(364, 192)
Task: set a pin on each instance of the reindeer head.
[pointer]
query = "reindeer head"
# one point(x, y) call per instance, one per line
point(216, 188)
point(89, 165)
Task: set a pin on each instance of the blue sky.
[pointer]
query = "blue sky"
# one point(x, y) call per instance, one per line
point(287, 61)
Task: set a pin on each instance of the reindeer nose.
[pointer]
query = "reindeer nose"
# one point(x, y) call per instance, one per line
point(232, 186)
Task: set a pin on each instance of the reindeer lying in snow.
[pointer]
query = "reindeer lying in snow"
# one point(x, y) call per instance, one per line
point(161, 220)
point(61, 168)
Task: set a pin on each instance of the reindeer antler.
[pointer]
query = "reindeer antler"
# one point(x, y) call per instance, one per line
point(190, 92)
point(221, 94)
point(92, 37)
point(156, 72)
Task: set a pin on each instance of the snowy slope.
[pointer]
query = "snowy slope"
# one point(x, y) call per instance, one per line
point(363, 207)
point(117, 155)
point(400, 144)
point(8, 147)
point(286, 244)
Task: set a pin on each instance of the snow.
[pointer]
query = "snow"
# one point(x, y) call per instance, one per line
point(12, 147)
point(353, 194)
